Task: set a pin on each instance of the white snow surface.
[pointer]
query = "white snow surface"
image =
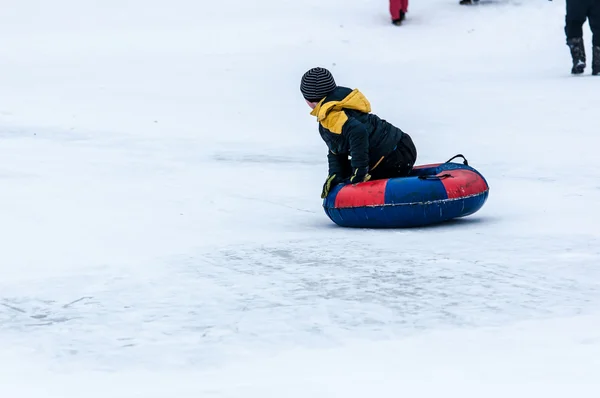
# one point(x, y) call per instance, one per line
point(163, 235)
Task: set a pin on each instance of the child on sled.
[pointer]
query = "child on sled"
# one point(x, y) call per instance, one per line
point(362, 146)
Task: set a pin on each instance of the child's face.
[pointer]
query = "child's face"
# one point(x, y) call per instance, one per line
point(311, 104)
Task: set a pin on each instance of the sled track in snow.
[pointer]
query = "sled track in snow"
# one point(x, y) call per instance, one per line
point(261, 297)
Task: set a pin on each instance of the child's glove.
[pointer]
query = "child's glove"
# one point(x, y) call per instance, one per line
point(331, 182)
point(360, 175)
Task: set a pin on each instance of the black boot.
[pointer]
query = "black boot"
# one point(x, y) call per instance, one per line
point(596, 60)
point(578, 54)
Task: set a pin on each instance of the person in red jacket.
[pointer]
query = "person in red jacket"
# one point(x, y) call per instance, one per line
point(398, 10)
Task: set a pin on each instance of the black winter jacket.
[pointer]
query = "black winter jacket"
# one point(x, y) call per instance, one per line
point(350, 130)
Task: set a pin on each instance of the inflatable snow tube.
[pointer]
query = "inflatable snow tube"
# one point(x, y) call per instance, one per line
point(430, 194)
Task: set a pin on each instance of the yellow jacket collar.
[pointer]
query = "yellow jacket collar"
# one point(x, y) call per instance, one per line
point(331, 115)
point(355, 100)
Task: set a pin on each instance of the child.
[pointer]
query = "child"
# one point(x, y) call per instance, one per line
point(398, 10)
point(377, 149)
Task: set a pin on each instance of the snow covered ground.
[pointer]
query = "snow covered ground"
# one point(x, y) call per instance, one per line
point(162, 232)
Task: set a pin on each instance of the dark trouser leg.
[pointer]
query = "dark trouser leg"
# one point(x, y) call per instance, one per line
point(594, 19)
point(573, 28)
point(409, 155)
point(398, 163)
point(577, 13)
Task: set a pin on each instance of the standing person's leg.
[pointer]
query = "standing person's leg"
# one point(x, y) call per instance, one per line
point(575, 17)
point(594, 19)
point(396, 11)
point(404, 6)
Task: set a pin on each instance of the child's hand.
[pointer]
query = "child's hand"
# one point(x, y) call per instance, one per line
point(331, 182)
point(360, 175)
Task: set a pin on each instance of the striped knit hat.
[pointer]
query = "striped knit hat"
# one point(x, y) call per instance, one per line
point(316, 84)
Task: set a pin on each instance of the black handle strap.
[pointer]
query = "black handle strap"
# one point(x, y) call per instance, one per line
point(458, 156)
point(436, 177)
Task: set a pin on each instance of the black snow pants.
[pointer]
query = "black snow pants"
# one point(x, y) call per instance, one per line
point(577, 12)
point(399, 163)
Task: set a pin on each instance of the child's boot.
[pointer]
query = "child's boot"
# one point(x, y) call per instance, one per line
point(577, 54)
